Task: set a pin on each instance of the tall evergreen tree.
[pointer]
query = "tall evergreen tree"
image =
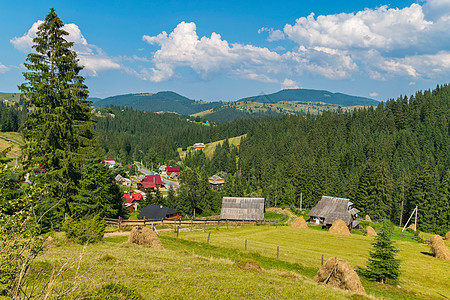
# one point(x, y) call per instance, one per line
point(57, 132)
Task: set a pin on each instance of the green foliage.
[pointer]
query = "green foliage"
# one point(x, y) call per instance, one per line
point(85, 231)
point(116, 291)
point(382, 265)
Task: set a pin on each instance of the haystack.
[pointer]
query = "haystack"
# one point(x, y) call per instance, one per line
point(412, 227)
point(338, 273)
point(144, 236)
point(368, 218)
point(249, 264)
point(370, 231)
point(447, 236)
point(299, 223)
point(339, 227)
point(439, 248)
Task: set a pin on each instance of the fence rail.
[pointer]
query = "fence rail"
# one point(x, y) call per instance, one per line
point(187, 222)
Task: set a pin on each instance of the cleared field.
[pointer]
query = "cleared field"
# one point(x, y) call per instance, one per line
point(209, 148)
point(422, 275)
point(13, 140)
point(181, 271)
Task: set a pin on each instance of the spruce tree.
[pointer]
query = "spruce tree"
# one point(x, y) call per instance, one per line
point(382, 265)
point(57, 131)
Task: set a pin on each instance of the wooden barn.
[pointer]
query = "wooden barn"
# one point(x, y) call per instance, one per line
point(330, 209)
point(241, 208)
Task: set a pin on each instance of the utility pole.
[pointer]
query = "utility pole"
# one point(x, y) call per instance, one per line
point(301, 200)
point(403, 200)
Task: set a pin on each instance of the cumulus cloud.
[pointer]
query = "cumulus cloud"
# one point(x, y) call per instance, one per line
point(374, 94)
point(90, 56)
point(289, 84)
point(274, 35)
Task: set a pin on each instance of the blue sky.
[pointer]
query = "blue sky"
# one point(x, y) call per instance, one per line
point(225, 50)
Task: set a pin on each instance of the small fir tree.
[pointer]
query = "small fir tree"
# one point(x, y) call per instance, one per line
point(382, 265)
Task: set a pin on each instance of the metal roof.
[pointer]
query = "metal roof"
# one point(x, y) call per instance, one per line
point(156, 212)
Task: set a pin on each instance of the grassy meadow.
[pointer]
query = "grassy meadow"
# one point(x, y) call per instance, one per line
point(13, 140)
point(211, 147)
point(191, 268)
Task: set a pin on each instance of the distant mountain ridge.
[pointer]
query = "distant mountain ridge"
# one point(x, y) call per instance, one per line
point(307, 95)
point(161, 101)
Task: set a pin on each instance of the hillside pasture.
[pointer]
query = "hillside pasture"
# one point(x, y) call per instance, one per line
point(13, 140)
point(211, 147)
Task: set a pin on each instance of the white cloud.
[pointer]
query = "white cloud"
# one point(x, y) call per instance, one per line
point(274, 35)
point(289, 84)
point(3, 68)
point(90, 56)
point(374, 94)
point(412, 83)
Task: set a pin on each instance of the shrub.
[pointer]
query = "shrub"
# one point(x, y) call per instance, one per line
point(85, 231)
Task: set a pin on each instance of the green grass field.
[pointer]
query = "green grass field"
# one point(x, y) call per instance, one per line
point(13, 140)
point(191, 268)
point(211, 147)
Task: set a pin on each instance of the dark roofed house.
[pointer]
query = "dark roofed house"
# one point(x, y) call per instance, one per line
point(159, 212)
point(240, 208)
point(330, 209)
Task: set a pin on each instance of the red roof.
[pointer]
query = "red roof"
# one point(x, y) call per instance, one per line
point(147, 184)
point(155, 179)
point(130, 197)
point(172, 169)
point(109, 159)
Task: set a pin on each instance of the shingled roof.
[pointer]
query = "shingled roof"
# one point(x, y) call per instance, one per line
point(156, 212)
point(238, 208)
point(332, 209)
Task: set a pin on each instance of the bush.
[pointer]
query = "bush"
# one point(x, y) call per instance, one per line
point(85, 231)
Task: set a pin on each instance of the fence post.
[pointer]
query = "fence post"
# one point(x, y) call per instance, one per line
point(227, 223)
point(204, 226)
point(192, 223)
point(120, 221)
point(278, 252)
point(322, 260)
point(144, 221)
point(209, 234)
point(178, 230)
point(245, 245)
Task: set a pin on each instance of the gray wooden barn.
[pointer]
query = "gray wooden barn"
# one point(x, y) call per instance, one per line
point(330, 209)
point(241, 208)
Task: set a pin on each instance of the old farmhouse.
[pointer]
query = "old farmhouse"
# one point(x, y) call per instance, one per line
point(240, 208)
point(330, 209)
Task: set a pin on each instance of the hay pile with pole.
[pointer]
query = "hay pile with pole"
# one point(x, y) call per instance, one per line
point(338, 273)
point(439, 248)
point(144, 236)
point(299, 223)
point(368, 218)
point(370, 231)
point(339, 227)
point(447, 236)
point(412, 227)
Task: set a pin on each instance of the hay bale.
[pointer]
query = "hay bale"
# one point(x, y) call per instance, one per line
point(368, 218)
point(412, 227)
point(299, 223)
point(342, 276)
point(249, 264)
point(370, 231)
point(144, 236)
point(447, 236)
point(439, 248)
point(339, 227)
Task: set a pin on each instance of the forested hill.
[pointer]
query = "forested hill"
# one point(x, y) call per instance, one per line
point(162, 101)
point(305, 95)
point(379, 157)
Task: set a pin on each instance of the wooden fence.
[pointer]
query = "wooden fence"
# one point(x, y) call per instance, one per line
point(186, 222)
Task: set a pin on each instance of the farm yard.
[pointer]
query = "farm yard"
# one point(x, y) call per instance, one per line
point(198, 269)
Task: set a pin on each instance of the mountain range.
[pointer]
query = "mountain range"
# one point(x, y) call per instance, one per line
point(173, 102)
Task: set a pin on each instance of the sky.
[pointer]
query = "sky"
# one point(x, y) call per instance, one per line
point(227, 50)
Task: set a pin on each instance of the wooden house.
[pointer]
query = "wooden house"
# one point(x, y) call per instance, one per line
point(216, 182)
point(150, 183)
point(159, 212)
point(330, 209)
point(170, 170)
point(242, 208)
point(132, 200)
point(122, 181)
point(198, 146)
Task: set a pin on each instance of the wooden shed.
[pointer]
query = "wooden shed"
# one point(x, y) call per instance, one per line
point(330, 209)
point(241, 208)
